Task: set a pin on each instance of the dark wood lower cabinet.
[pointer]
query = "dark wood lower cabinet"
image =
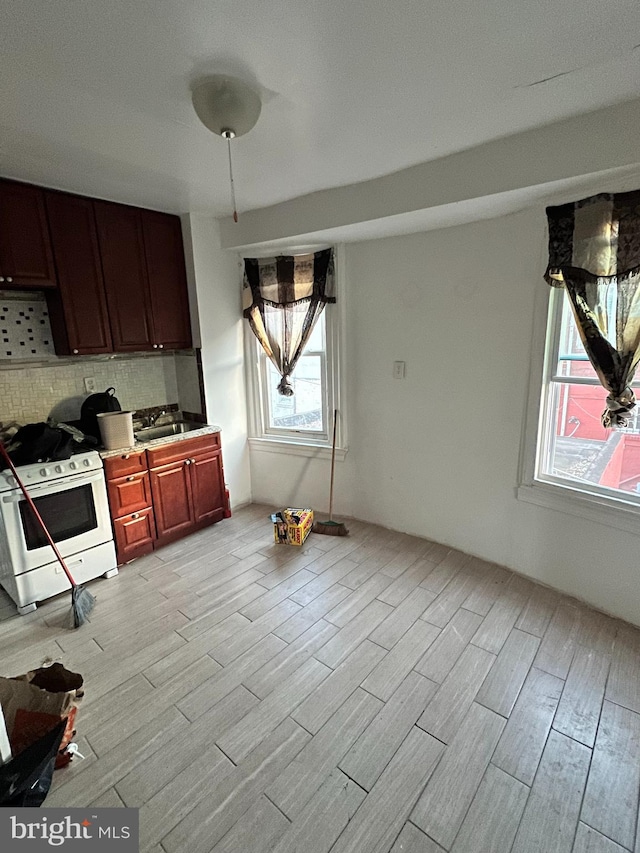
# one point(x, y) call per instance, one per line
point(128, 494)
point(132, 516)
point(207, 488)
point(181, 492)
point(135, 535)
point(172, 501)
point(188, 495)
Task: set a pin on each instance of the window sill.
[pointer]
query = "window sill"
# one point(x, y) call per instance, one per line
point(601, 510)
point(296, 448)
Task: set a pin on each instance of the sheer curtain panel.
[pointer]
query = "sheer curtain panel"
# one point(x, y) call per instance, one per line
point(282, 299)
point(594, 253)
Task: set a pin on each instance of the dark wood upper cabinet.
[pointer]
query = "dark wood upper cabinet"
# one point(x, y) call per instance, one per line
point(125, 276)
point(164, 253)
point(78, 309)
point(145, 280)
point(26, 259)
point(115, 274)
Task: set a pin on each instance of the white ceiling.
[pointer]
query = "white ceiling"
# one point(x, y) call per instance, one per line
point(95, 93)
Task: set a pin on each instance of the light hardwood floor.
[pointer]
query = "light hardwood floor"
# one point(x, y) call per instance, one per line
point(365, 694)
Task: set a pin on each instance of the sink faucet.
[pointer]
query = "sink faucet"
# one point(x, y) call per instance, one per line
point(151, 419)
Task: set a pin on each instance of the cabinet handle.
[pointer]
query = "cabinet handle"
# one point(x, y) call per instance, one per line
point(1, 278)
point(75, 352)
point(9, 278)
point(136, 515)
point(126, 456)
point(160, 346)
point(187, 461)
point(193, 461)
point(130, 479)
point(155, 346)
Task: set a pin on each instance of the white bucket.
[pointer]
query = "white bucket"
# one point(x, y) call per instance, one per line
point(116, 429)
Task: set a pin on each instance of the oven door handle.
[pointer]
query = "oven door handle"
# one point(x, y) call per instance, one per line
point(53, 488)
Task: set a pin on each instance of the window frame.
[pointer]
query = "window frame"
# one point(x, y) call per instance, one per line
point(262, 437)
point(593, 503)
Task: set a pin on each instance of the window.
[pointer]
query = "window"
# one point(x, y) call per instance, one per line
point(574, 450)
point(301, 424)
point(306, 414)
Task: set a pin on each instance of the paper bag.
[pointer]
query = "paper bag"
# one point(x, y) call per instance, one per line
point(34, 703)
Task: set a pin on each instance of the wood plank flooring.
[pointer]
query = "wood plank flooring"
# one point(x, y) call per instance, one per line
point(365, 694)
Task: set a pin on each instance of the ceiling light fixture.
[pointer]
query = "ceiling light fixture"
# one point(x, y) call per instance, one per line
point(228, 108)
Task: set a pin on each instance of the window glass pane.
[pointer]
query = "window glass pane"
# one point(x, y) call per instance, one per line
point(581, 368)
point(302, 411)
point(572, 358)
point(316, 341)
point(581, 450)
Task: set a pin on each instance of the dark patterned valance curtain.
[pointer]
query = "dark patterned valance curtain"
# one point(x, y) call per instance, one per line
point(594, 253)
point(282, 299)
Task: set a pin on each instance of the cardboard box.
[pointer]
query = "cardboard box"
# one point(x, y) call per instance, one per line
point(291, 526)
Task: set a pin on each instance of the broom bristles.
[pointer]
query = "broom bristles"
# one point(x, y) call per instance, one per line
point(330, 528)
point(82, 603)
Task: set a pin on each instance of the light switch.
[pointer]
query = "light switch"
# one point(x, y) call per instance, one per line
point(399, 369)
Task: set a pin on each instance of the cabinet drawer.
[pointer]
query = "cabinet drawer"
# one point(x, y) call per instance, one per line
point(128, 494)
point(134, 535)
point(130, 462)
point(178, 450)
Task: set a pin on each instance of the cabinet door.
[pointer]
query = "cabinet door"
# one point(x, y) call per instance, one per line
point(125, 275)
point(170, 488)
point(207, 484)
point(78, 308)
point(26, 259)
point(164, 254)
point(134, 535)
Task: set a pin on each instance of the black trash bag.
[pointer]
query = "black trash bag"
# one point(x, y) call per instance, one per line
point(96, 405)
point(26, 779)
point(40, 443)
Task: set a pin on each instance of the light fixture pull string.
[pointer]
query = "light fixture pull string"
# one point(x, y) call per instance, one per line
point(233, 189)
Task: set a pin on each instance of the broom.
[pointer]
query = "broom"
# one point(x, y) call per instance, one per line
point(331, 527)
point(82, 602)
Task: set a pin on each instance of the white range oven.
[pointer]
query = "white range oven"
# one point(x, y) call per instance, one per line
point(71, 497)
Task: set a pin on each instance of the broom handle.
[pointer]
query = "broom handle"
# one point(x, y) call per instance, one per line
point(333, 463)
point(34, 509)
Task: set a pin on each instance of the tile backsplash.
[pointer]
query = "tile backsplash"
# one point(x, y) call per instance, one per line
point(25, 330)
point(31, 394)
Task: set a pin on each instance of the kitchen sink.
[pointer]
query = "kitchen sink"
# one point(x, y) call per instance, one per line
point(166, 430)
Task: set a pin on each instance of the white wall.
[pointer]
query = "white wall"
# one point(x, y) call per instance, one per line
point(215, 301)
point(437, 454)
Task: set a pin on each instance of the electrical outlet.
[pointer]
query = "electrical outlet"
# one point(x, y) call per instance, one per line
point(89, 384)
point(399, 369)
